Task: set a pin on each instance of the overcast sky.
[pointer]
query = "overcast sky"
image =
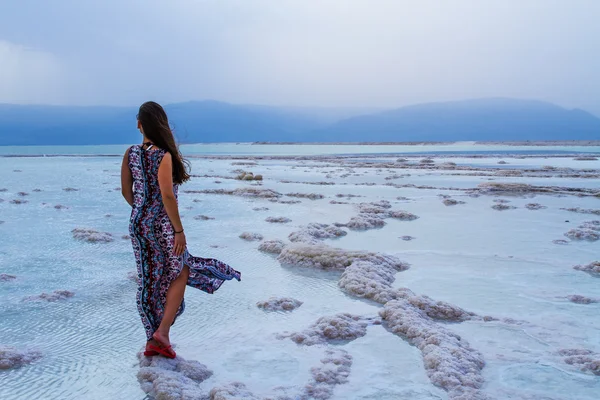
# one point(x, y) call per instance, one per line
point(356, 53)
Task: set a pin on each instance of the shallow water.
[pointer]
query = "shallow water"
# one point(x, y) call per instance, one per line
point(497, 263)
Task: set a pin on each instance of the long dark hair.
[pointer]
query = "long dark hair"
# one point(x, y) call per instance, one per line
point(156, 128)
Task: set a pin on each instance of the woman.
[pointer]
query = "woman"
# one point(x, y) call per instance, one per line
point(150, 175)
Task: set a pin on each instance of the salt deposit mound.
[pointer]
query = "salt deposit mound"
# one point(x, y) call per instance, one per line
point(232, 391)
point(54, 296)
point(280, 220)
point(502, 207)
point(583, 234)
point(579, 299)
point(170, 379)
point(370, 280)
point(449, 360)
point(311, 196)
point(315, 232)
point(585, 360)
point(534, 206)
point(402, 215)
point(346, 327)
point(7, 277)
point(334, 370)
point(272, 246)
point(243, 192)
point(13, 358)
point(582, 210)
point(438, 310)
point(250, 236)
point(452, 202)
point(91, 235)
point(331, 258)
point(279, 304)
point(592, 268)
point(203, 217)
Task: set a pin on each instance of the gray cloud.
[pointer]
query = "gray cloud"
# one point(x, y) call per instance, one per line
point(382, 53)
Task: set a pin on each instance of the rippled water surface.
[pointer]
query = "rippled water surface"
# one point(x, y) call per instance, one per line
point(498, 263)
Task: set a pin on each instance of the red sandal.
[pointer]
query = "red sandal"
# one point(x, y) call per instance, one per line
point(166, 351)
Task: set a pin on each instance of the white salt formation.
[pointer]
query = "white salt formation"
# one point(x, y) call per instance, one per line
point(371, 215)
point(334, 370)
point(585, 360)
point(170, 379)
point(243, 192)
point(339, 327)
point(232, 391)
point(249, 176)
point(502, 207)
point(311, 196)
point(279, 304)
point(12, 358)
point(251, 237)
point(579, 299)
point(449, 360)
point(560, 241)
point(315, 232)
point(534, 206)
point(582, 210)
point(18, 201)
point(54, 296)
point(7, 277)
point(407, 238)
point(592, 268)
point(260, 208)
point(583, 234)
point(91, 235)
point(438, 310)
point(403, 215)
point(70, 189)
point(272, 246)
point(452, 202)
point(330, 258)
point(203, 217)
point(280, 220)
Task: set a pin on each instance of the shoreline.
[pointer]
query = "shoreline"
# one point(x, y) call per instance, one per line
point(482, 143)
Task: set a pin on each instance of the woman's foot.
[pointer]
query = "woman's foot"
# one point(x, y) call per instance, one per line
point(161, 345)
point(161, 339)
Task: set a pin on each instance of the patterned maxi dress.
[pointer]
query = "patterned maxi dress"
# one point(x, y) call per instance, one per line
point(152, 237)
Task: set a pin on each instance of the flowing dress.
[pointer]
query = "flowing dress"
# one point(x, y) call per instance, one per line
point(153, 239)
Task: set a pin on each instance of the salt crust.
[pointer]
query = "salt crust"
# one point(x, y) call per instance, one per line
point(502, 207)
point(272, 246)
point(449, 360)
point(334, 370)
point(452, 202)
point(278, 219)
point(592, 268)
point(343, 326)
point(582, 210)
point(243, 192)
point(315, 232)
point(54, 296)
point(7, 277)
point(170, 379)
point(579, 299)
point(311, 196)
point(585, 360)
point(279, 304)
point(534, 206)
point(372, 215)
point(10, 357)
point(92, 236)
point(251, 236)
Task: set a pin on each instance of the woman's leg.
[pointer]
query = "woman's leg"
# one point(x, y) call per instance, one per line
point(174, 298)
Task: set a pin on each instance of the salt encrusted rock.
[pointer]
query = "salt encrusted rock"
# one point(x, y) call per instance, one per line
point(407, 238)
point(311, 196)
point(18, 201)
point(448, 359)
point(331, 258)
point(579, 299)
point(509, 172)
point(243, 192)
point(12, 358)
point(164, 378)
point(452, 202)
point(403, 215)
point(505, 188)
point(272, 246)
point(585, 360)
point(7, 277)
point(371, 280)
point(502, 207)
point(91, 235)
point(280, 220)
point(260, 208)
point(285, 201)
point(427, 161)
point(54, 296)
point(60, 207)
point(560, 241)
point(279, 304)
point(502, 162)
point(501, 201)
point(583, 234)
point(585, 158)
point(338, 202)
point(203, 217)
point(251, 236)
point(348, 195)
point(315, 232)
point(592, 268)
point(364, 222)
point(582, 210)
point(438, 310)
point(334, 370)
point(344, 326)
point(231, 391)
point(534, 206)
point(70, 189)
point(23, 194)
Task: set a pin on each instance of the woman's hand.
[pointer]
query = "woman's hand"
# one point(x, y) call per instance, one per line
point(180, 243)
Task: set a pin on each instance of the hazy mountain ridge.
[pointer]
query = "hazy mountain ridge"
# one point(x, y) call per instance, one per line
point(495, 119)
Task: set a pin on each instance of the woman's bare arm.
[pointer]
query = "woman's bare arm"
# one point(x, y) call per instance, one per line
point(165, 181)
point(126, 180)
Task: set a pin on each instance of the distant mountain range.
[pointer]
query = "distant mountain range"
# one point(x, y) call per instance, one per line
point(494, 119)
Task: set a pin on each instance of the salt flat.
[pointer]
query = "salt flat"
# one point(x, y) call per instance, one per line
point(503, 278)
